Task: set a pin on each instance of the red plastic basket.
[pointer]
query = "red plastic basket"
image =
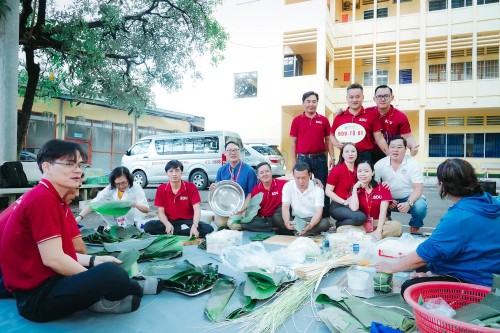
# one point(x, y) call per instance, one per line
point(456, 295)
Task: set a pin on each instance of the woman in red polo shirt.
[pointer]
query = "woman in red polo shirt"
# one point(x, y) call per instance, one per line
point(339, 188)
point(373, 200)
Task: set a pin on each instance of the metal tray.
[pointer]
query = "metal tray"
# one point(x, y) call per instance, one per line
point(207, 288)
point(227, 198)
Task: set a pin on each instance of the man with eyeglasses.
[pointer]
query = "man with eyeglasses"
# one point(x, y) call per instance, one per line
point(40, 267)
point(393, 121)
point(238, 172)
point(356, 115)
point(310, 141)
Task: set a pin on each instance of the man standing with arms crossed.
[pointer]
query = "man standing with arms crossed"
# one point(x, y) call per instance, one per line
point(393, 121)
point(356, 114)
point(310, 140)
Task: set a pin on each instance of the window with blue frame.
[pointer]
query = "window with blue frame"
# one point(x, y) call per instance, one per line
point(481, 145)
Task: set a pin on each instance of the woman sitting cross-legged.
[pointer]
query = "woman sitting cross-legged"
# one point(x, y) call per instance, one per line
point(373, 200)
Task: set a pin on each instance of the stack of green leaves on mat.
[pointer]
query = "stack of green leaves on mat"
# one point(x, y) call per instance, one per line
point(184, 276)
point(112, 208)
point(114, 234)
point(259, 237)
point(382, 282)
point(261, 285)
point(486, 313)
point(162, 247)
point(344, 313)
point(251, 211)
point(227, 301)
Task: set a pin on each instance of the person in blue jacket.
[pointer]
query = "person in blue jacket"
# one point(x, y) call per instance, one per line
point(465, 246)
point(238, 172)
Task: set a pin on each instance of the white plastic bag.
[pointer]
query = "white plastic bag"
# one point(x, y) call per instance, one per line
point(439, 306)
point(305, 245)
point(239, 258)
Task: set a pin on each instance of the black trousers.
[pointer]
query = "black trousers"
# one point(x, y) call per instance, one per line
point(156, 227)
point(343, 215)
point(411, 282)
point(60, 296)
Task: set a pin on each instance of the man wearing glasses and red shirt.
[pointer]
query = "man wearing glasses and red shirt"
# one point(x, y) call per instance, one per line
point(393, 121)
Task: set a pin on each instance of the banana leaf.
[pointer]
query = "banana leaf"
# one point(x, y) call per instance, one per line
point(130, 244)
point(300, 224)
point(259, 237)
point(126, 233)
point(112, 208)
point(262, 285)
point(339, 321)
point(129, 261)
point(227, 301)
point(253, 208)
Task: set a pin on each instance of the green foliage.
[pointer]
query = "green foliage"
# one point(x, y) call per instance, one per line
point(116, 51)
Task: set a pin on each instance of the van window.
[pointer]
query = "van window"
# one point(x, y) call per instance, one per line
point(264, 150)
point(140, 148)
point(208, 144)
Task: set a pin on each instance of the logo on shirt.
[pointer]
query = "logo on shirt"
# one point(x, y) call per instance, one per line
point(377, 196)
point(275, 193)
point(319, 122)
point(363, 119)
point(388, 122)
point(183, 198)
point(404, 172)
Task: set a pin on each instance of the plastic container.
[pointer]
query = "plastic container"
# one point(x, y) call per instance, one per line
point(392, 249)
point(357, 280)
point(455, 294)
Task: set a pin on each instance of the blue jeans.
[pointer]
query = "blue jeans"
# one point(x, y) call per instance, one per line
point(319, 168)
point(418, 211)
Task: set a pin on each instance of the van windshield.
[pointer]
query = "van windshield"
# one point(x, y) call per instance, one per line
point(264, 150)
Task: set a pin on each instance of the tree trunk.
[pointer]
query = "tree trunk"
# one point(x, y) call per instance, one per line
point(23, 118)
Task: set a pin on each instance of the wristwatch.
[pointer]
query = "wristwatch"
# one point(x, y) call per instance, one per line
point(410, 203)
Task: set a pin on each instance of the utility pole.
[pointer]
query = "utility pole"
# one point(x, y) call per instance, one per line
point(9, 60)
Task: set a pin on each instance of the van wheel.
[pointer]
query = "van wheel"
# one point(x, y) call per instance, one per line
point(140, 178)
point(200, 179)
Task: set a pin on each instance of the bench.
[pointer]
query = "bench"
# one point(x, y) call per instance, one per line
point(13, 193)
point(489, 168)
point(430, 168)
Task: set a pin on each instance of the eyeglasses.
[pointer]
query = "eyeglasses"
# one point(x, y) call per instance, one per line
point(121, 184)
point(382, 97)
point(230, 151)
point(72, 165)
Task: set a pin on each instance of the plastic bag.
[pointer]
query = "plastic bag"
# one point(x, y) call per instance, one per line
point(439, 306)
point(306, 245)
point(239, 258)
point(287, 258)
point(367, 254)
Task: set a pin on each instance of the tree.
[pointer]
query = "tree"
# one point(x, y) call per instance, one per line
point(112, 50)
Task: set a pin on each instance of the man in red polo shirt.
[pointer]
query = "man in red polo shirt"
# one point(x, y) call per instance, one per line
point(393, 121)
point(310, 140)
point(178, 205)
point(269, 214)
point(356, 114)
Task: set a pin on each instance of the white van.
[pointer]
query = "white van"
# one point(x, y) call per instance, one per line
point(201, 153)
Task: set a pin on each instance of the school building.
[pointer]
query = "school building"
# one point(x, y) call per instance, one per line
point(105, 132)
point(441, 58)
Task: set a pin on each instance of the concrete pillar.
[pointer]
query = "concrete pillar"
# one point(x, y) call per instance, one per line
point(9, 45)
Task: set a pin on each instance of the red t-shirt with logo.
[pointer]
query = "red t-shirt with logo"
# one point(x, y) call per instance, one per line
point(178, 206)
point(343, 180)
point(369, 121)
point(40, 215)
point(272, 197)
point(310, 133)
point(393, 122)
point(370, 203)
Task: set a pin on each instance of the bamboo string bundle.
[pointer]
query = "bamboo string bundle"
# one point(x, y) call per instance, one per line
point(315, 271)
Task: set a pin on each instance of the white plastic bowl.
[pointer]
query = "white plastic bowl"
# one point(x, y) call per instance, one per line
point(357, 280)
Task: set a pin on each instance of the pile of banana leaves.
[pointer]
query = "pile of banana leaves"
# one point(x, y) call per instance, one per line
point(114, 234)
point(344, 313)
point(184, 276)
point(118, 239)
point(228, 301)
